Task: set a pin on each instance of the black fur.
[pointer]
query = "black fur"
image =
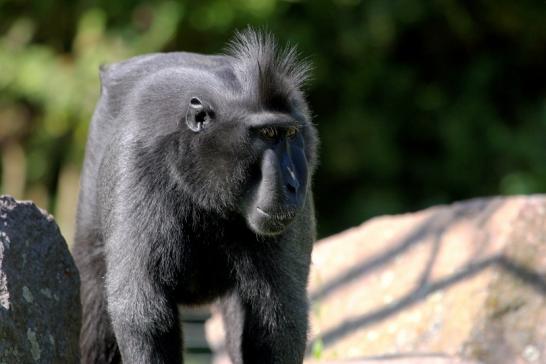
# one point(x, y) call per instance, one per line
point(196, 187)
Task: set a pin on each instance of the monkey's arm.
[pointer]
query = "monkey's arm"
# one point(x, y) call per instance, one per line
point(143, 313)
point(266, 316)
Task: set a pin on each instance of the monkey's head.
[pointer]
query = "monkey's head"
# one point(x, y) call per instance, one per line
point(249, 147)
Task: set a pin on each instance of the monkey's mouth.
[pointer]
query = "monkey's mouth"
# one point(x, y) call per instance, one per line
point(280, 216)
point(273, 222)
point(270, 222)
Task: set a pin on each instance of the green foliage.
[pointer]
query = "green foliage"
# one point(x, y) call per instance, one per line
point(317, 349)
point(417, 102)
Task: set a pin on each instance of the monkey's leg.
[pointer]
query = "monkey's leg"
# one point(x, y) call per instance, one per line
point(144, 316)
point(97, 340)
point(272, 313)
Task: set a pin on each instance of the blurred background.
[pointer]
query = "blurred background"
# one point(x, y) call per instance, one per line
point(417, 102)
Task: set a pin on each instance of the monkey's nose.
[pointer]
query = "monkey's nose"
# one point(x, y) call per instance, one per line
point(292, 184)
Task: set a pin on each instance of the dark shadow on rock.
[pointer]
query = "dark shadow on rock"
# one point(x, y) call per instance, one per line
point(534, 279)
point(434, 226)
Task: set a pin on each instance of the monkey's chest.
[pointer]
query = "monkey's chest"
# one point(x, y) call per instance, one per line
point(204, 277)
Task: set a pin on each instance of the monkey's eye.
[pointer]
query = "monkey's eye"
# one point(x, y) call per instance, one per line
point(269, 132)
point(292, 131)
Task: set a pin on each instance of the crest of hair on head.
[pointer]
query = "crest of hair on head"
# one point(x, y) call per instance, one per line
point(275, 71)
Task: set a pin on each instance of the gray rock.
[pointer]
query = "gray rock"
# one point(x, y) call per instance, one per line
point(39, 288)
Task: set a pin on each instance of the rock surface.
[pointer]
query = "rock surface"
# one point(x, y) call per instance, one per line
point(464, 283)
point(39, 288)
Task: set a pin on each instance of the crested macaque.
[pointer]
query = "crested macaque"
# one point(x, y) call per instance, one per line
point(196, 188)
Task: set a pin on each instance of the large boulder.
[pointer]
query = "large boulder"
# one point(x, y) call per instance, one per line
point(39, 288)
point(464, 283)
point(466, 280)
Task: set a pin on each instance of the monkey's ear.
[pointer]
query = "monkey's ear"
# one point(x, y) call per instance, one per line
point(199, 115)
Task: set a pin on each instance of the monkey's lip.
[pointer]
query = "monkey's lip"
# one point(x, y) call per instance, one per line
point(263, 212)
point(271, 222)
point(280, 215)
